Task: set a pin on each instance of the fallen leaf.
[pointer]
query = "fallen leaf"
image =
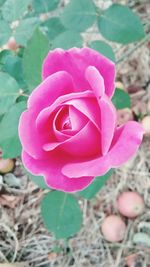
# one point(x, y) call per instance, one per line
point(9, 200)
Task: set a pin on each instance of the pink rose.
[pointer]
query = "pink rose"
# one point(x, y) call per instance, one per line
point(69, 131)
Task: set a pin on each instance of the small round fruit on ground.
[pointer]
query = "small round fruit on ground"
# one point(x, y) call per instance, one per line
point(130, 204)
point(131, 260)
point(11, 44)
point(113, 228)
point(146, 124)
point(6, 165)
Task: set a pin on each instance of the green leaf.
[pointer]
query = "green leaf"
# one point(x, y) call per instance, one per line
point(12, 64)
point(79, 15)
point(15, 9)
point(67, 40)
point(38, 180)
point(95, 187)
point(9, 140)
point(61, 214)
point(25, 30)
point(121, 99)
point(119, 24)
point(44, 6)
point(4, 53)
point(5, 32)
point(2, 2)
point(9, 91)
point(36, 50)
point(104, 48)
point(53, 27)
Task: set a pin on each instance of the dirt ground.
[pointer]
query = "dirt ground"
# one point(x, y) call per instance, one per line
point(22, 234)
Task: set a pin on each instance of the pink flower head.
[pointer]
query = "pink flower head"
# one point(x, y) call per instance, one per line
point(69, 132)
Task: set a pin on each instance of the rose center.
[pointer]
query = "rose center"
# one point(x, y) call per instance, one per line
point(67, 124)
point(63, 121)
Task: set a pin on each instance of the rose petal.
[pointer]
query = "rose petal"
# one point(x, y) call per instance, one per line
point(125, 144)
point(75, 61)
point(50, 89)
point(97, 167)
point(57, 122)
point(41, 97)
point(30, 139)
point(45, 113)
point(51, 170)
point(77, 118)
point(44, 95)
point(49, 117)
point(108, 112)
point(85, 143)
point(89, 107)
point(95, 80)
point(45, 121)
point(108, 123)
point(49, 125)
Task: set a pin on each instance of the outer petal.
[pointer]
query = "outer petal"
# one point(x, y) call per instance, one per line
point(58, 84)
point(75, 61)
point(108, 123)
point(126, 142)
point(95, 80)
point(30, 139)
point(51, 170)
point(96, 167)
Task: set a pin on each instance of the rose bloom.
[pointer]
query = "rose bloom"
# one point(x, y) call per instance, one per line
point(69, 131)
